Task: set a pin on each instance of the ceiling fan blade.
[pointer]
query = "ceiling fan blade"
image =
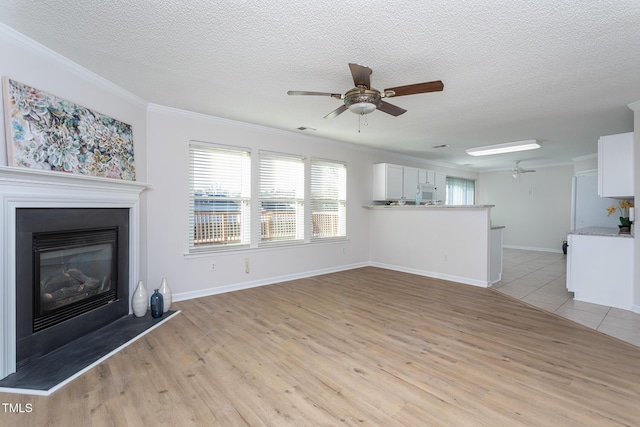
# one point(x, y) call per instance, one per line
point(434, 86)
point(361, 75)
point(336, 112)
point(385, 107)
point(302, 92)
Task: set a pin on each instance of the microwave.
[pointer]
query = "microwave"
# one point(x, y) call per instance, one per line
point(427, 192)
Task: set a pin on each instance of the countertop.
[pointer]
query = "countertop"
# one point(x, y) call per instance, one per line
point(427, 206)
point(600, 231)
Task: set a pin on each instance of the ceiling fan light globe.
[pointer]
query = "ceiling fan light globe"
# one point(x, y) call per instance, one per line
point(362, 108)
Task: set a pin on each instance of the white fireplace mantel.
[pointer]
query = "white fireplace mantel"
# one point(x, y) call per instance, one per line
point(31, 188)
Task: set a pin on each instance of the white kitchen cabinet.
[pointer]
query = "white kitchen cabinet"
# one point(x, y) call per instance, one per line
point(395, 182)
point(600, 268)
point(387, 182)
point(427, 177)
point(441, 186)
point(615, 165)
point(410, 177)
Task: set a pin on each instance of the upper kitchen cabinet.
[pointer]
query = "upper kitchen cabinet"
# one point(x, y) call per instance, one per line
point(427, 177)
point(615, 165)
point(410, 180)
point(387, 182)
point(394, 182)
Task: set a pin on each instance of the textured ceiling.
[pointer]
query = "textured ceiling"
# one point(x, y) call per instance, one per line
point(560, 72)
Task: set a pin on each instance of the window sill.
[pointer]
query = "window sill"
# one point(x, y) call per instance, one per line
point(200, 253)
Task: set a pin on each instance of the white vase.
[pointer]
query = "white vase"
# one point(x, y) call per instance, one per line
point(165, 291)
point(140, 300)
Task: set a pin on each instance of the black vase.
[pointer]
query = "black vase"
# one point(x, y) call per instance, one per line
point(624, 229)
point(157, 304)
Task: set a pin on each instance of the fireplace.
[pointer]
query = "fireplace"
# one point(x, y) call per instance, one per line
point(24, 189)
point(72, 274)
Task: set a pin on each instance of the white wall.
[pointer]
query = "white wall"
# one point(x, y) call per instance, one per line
point(535, 209)
point(170, 131)
point(31, 63)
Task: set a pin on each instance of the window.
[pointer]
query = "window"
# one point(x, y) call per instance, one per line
point(460, 191)
point(219, 195)
point(328, 199)
point(281, 197)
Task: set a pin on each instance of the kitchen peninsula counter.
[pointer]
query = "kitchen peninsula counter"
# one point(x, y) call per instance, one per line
point(600, 231)
point(450, 242)
point(428, 206)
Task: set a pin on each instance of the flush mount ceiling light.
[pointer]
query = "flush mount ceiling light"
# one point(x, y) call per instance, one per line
point(509, 147)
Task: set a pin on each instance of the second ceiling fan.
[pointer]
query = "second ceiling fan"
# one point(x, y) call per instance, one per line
point(363, 99)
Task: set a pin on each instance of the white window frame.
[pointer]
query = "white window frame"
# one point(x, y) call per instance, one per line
point(219, 193)
point(328, 199)
point(281, 198)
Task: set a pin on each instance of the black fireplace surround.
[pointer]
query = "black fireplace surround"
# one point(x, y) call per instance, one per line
point(72, 275)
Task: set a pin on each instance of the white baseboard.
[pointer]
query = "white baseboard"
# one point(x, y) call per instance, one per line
point(451, 278)
point(529, 248)
point(182, 296)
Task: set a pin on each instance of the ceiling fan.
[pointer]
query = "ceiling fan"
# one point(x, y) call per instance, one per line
point(516, 171)
point(363, 99)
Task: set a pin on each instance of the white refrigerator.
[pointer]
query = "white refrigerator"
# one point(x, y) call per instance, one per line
point(587, 208)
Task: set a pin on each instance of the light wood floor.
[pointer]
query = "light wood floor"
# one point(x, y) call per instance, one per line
point(363, 347)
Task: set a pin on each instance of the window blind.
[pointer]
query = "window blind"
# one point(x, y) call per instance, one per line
point(219, 195)
point(460, 191)
point(281, 197)
point(328, 199)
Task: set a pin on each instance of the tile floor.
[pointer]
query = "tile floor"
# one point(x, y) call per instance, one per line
point(538, 278)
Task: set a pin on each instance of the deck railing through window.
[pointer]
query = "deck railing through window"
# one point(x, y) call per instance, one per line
point(277, 225)
point(225, 227)
point(216, 227)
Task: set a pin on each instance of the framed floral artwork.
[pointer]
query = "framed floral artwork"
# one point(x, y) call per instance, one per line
point(50, 133)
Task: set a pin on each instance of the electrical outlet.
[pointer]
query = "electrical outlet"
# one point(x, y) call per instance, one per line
point(213, 266)
point(246, 265)
point(446, 257)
